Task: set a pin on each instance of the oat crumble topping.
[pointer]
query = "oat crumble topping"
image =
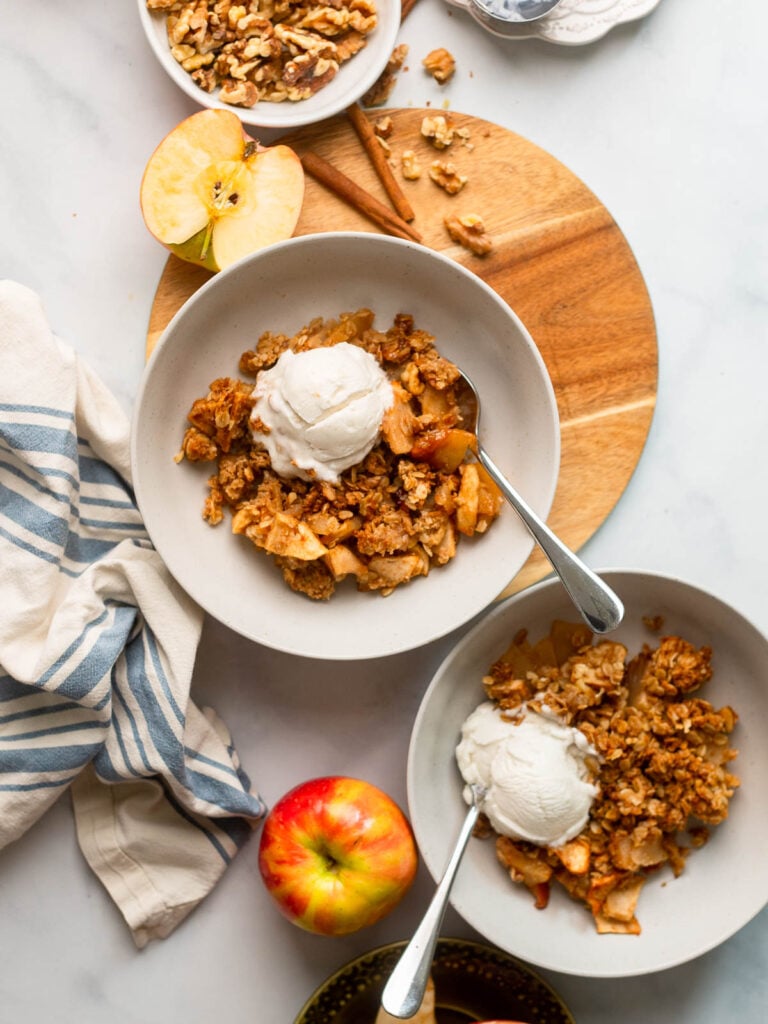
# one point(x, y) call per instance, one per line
point(663, 774)
point(395, 516)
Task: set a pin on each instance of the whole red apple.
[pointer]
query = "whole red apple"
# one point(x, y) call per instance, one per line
point(336, 854)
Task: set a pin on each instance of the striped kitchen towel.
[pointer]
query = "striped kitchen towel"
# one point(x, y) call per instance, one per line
point(97, 645)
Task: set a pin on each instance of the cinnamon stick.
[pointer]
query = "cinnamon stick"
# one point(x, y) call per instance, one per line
point(357, 197)
point(406, 8)
point(378, 158)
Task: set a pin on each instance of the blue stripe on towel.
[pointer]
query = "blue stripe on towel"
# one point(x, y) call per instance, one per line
point(39, 410)
point(165, 739)
point(54, 730)
point(120, 776)
point(136, 734)
point(33, 518)
point(11, 690)
point(44, 556)
point(160, 672)
point(113, 524)
point(161, 732)
point(48, 759)
point(106, 502)
point(220, 793)
point(50, 471)
point(54, 529)
point(94, 471)
point(185, 814)
point(31, 481)
point(34, 437)
point(104, 768)
point(87, 673)
point(197, 756)
point(45, 709)
point(25, 787)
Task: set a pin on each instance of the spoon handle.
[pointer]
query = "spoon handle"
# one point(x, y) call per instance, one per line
point(600, 608)
point(404, 992)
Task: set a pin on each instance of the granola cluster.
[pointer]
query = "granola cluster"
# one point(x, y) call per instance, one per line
point(269, 50)
point(391, 518)
point(663, 763)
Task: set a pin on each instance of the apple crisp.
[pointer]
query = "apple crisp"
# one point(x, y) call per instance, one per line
point(663, 756)
point(396, 515)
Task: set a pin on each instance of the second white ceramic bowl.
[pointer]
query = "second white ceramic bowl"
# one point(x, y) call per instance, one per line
point(724, 884)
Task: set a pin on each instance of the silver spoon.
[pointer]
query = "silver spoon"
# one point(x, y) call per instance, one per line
point(519, 10)
point(404, 992)
point(505, 17)
point(597, 604)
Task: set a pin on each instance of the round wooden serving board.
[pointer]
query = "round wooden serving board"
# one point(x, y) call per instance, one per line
point(561, 263)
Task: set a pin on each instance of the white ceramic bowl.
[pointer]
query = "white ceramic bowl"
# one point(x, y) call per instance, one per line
point(282, 288)
point(354, 77)
point(724, 883)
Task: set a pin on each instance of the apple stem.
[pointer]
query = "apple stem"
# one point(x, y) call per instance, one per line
point(206, 240)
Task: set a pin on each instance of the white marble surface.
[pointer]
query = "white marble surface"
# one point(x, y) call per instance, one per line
point(665, 120)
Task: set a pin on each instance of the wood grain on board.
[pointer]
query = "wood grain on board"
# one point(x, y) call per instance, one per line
point(561, 263)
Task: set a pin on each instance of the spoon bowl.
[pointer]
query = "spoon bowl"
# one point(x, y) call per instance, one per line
point(597, 604)
point(499, 14)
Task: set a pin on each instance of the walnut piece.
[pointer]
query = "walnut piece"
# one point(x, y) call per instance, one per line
point(437, 131)
point(464, 135)
point(469, 230)
point(383, 127)
point(440, 64)
point(410, 165)
point(444, 174)
point(270, 50)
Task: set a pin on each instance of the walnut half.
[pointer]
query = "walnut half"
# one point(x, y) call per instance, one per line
point(440, 64)
point(437, 131)
point(469, 230)
point(444, 174)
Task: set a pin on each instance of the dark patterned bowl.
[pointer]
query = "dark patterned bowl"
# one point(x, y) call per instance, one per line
point(473, 982)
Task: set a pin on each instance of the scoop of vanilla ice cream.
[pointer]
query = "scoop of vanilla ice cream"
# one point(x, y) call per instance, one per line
point(534, 769)
point(322, 408)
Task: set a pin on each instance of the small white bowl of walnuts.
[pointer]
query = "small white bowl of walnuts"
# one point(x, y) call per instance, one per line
point(279, 64)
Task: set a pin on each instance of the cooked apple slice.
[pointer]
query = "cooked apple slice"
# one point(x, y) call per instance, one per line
point(211, 194)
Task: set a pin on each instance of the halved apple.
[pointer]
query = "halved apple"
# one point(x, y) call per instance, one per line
point(211, 194)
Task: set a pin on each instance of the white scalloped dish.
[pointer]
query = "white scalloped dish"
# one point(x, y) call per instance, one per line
point(573, 23)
